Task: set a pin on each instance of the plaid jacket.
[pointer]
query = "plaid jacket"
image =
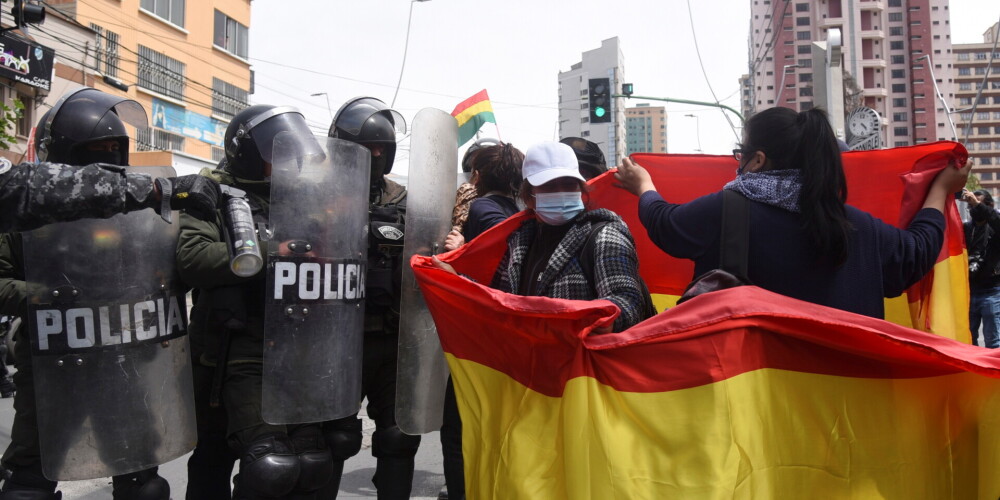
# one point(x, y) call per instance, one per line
point(616, 267)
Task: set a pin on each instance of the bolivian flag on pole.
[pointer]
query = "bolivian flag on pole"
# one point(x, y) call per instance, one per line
point(737, 394)
point(471, 114)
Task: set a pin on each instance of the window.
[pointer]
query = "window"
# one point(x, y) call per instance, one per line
point(895, 3)
point(896, 31)
point(896, 45)
point(965, 86)
point(805, 106)
point(25, 122)
point(986, 160)
point(899, 144)
point(218, 154)
point(896, 59)
point(986, 176)
point(900, 131)
point(802, 21)
point(983, 131)
point(107, 51)
point(160, 73)
point(228, 99)
point(985, 146)
point(230, 35)
point(899, 87)
point(171, 11)
point(980, 71)
point(981, 56)
point(895, 17)
point(805, 63)
point(899, 117)
point(803, 49)
point(802, 35)
point(801, 7)
point(965, 101)
point(805, 77)
point(806, 92)
point(154, 139)
point(983, 115)
point(899, 102)
point(898, 73)
point(964, 71)
point(963, 56)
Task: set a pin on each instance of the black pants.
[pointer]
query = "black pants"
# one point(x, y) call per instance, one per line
point(451, 446)
point(211, 463)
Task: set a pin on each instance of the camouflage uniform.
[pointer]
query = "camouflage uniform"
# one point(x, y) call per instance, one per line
point(33, 195)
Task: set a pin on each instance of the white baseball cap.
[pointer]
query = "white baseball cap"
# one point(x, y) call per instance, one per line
point(550, 160)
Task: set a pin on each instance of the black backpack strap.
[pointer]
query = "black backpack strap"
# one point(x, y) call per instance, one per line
point(735, 238)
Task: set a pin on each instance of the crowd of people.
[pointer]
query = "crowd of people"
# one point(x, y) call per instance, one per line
point(805, 242)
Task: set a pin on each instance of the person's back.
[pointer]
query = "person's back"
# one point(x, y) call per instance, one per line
point(804, 241)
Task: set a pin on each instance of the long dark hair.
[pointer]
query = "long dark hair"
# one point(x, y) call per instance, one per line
point(805, 141)
point(499, 169)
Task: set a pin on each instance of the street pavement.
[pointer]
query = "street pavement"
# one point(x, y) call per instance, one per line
point(428, 479)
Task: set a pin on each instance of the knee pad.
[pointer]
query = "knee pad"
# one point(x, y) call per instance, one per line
point(315, 460)
point(390, 442)
point(343, 436)
point(269, 468)
point(142, 485)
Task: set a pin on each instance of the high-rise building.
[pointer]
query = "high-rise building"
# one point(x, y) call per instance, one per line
point(890, 50)
point(978, 120)
point(645, 129)
point(574, 100)
point(186, 62)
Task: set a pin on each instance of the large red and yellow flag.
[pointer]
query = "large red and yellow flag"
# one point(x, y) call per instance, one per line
point(737, 394)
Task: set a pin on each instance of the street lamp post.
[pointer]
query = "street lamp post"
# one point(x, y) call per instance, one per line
point(697, 130)
point(781, 88)
point(406, 45)
point(947, 110)
point(328, 108)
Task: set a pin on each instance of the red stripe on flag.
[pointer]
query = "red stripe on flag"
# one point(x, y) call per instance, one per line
point(462, 106)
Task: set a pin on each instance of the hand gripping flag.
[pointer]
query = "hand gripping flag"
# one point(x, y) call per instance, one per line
point(471, 114)
point(740, 393)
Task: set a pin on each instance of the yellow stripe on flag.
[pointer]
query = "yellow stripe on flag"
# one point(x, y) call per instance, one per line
point(473, 110)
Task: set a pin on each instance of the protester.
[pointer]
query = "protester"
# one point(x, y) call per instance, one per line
point(805, 241)
point(984, 266)
point(547, 255)
point(589, 156)
point(467, 192)
point(496, 176)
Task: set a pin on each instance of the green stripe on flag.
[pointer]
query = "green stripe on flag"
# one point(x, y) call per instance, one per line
point(468, 130)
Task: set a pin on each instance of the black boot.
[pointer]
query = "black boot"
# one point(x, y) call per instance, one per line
point(142, 485)
point(7, 387)
point(29, 484)
point(393, 478)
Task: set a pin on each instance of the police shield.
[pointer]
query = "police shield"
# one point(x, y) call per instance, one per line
point(422, 373)
point(108, 323)
point(316, 262)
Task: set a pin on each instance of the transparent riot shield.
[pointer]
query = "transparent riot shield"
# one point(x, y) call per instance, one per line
point(108, 323)
point(316, 263)
point(422, 373)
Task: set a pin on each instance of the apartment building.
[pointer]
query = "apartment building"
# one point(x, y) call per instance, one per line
point(646, 129)
point(574, 100)
point(976, 105)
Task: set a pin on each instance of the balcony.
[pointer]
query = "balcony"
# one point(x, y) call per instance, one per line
point(873, 63)
point(831, 22)
point(871, 5)
point(872, 34)
point(876, 92)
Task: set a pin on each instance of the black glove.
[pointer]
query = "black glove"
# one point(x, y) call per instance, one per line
point(196, 194)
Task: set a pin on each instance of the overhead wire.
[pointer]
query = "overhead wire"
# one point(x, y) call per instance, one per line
point(705, 73)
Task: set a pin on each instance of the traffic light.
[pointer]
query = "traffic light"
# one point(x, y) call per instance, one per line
point(600, 100)
point(25, 13)
point(627, 89)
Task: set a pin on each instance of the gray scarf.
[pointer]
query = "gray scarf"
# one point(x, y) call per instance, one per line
point(779, 188)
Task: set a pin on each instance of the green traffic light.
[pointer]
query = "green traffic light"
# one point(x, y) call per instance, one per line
point(599, 111)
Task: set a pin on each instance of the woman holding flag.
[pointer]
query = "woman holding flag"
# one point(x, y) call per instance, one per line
point(805, 242)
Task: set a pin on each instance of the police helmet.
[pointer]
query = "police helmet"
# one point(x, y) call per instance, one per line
point(368, 121)
point(476, 146)
point(588, 155)
point(250, 139)
point(84, 116)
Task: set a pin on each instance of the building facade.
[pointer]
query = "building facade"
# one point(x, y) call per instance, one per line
point(574, 95)
point(977, 105)
point(186, 62)
point(645, 129)
point(894, 51)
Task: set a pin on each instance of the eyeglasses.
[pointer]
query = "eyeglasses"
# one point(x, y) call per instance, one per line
point(738, 154)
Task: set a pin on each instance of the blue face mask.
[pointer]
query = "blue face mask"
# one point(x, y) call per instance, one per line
point(556, 209)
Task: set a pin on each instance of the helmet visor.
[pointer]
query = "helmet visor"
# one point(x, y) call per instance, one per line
point(298, 137)
point(352, 117)
point(94, 102)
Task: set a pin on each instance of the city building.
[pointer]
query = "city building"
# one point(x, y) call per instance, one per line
point(186, 62)
point(574, 100)
point(646, 129)
point(893, 53)
point(978, 120)
point(28, 72)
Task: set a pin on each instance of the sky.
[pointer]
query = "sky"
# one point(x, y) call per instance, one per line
point(515, 50)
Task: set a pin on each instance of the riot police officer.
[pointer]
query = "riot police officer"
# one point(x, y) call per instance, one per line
point(227, 330)
point(369, 122)
point(84, 127)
